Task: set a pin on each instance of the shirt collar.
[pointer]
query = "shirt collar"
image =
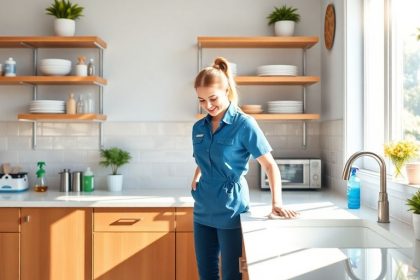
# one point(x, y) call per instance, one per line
point(229, 115)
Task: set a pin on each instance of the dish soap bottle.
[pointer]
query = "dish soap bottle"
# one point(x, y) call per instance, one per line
point(88, 181)
point(353, 190)
point(40, 185)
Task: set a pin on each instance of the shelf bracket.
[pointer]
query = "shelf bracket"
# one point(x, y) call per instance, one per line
point(101, 136)
point(34, 133)
point(304, 130)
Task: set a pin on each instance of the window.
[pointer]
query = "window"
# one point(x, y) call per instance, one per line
point(391, 73)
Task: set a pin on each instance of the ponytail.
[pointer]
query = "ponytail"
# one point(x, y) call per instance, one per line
point(218, 73)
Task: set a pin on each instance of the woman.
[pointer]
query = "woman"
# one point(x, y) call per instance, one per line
point(223, 142)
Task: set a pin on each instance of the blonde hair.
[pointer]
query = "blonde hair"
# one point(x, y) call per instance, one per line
point(218, 73)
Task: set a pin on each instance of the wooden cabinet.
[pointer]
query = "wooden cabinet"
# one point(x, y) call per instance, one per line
point(134, 244)
point(9, 243)
point(56, 243)
point(186, 264)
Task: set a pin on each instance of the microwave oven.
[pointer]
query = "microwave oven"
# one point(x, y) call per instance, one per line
point(296, 174)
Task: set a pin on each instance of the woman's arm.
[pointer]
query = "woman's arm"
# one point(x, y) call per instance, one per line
point(273, 173)
point(197, 175)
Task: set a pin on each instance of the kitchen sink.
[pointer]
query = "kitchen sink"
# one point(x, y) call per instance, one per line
point(333, 233)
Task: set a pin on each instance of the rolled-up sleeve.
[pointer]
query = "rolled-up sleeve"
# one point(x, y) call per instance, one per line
point(254, 139)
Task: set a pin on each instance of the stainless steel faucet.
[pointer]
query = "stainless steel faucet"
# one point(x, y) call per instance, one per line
point(383, 204)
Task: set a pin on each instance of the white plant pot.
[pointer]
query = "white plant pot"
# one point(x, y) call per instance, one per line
point(416, 225)
point(284, 28)
point(64, 27)
point(413, 173)
point(115, 183)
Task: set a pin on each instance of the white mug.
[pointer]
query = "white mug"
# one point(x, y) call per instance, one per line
point(81, 70)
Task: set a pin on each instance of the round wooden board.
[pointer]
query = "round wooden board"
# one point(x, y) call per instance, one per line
point(329, 26)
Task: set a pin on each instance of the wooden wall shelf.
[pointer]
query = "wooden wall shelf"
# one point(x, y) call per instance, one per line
point(302, 42)
point(53, 80)
point(61, 117)
point(52, 42)
point(277, 116)
point(277, 80)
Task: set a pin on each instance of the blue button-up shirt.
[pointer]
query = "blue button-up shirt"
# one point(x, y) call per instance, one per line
point(222, 191)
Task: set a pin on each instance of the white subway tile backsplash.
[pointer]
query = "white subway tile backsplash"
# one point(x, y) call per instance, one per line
point(9, 156)
point(126, 129)
point(15, 143)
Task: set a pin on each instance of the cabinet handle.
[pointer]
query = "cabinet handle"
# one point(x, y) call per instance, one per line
point(243, 267)
point(25, 219)
point(125, 222)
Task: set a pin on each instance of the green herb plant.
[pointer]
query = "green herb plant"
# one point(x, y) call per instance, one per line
point(283, 13)
point(65, 9)
point(114, 157)
point(414, 203)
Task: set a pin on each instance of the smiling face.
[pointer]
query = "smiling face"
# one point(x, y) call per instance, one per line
point(213, 99)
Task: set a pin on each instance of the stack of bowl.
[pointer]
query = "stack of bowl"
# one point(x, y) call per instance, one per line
point(252, 109)
point(55, 67)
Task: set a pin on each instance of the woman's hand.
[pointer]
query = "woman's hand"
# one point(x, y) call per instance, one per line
point(282, 212)
point(194, 185)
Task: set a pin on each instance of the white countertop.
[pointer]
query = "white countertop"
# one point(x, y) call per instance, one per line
point(321, 263)
point(157, 197)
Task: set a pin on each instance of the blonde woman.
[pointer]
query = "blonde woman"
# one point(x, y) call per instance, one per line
point(223, 142)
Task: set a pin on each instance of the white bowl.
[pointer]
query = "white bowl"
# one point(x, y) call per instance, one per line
point(54, 61)
point(55, 70)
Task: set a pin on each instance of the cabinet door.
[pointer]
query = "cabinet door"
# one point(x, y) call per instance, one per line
point(186, 264)
point(56, 243)
point(134, 255)
point(9, 256)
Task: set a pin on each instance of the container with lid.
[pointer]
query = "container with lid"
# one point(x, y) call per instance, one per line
point(10, 67)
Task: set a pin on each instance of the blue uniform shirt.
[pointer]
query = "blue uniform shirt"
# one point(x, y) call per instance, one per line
point(222, 191)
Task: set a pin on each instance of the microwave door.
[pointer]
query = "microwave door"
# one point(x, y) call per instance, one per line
point(294, 174)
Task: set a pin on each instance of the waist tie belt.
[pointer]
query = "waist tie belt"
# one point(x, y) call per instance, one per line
point(226, 183)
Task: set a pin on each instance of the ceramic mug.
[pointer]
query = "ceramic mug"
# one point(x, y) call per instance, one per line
point(81, 70)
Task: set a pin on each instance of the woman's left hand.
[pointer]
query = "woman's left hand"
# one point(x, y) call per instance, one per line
point(282, 212)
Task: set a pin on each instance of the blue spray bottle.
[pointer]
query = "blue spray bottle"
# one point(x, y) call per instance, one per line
point(353, 190)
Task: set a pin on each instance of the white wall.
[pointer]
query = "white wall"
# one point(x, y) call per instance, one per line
point(151, 59)
point(150, 64)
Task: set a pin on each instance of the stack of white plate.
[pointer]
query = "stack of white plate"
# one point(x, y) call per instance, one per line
point(252, 109)
point(48, 106)
point(277, 70)
point(285, 107)
point(55, 67)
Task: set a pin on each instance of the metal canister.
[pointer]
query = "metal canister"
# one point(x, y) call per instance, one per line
point(65, 180)
point(77, 181)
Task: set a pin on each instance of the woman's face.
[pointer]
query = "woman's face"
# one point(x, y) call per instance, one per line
point(213, 99)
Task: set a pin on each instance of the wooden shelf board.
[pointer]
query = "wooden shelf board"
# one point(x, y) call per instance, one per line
point(53, 80)
point(62, 117)
point(52, 42)
point(303, 42)
point(277, 116)
point(277, 80)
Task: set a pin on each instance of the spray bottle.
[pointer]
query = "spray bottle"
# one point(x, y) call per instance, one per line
point(40, 185)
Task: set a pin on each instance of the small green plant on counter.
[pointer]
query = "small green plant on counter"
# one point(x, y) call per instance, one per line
point(65, 9)
point(114, 157)
point(283, 13)
point(414, 203)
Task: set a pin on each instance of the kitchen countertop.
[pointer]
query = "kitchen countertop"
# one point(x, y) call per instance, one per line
point(402, 263)
point(322, 263)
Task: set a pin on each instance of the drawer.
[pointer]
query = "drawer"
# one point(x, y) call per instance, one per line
point(9, 220)
point(134, 219)
point(184, 219)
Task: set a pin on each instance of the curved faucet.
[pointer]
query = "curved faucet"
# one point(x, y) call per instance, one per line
point(383, 204)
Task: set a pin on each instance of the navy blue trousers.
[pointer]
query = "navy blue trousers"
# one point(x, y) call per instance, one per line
point(211, 242)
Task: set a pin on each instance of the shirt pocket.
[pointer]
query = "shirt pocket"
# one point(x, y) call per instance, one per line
point(198, 143)
point(225, 141)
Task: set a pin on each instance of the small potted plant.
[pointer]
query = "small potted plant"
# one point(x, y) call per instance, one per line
point(414, 206)
point(400, 153)
point(66, 15)
point(114, 157)
point(284, 19)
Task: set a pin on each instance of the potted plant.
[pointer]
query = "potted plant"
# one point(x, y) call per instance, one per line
point(284, 19)
point(414, 206)
point(66, 15)
point(114, 157)
point(400, 152)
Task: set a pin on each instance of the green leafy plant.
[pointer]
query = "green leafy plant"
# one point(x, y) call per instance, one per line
point(114, 157)
point(283, 13)
point(414, 203)
point(65, 9)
